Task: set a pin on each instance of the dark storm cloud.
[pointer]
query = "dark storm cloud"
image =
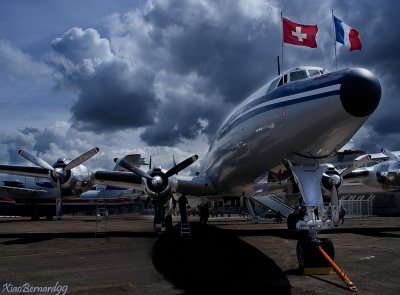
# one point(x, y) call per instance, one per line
point(119, 80)
point(222, 51)
point(113, 93)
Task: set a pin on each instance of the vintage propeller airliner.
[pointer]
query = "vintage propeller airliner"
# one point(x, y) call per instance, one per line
point(301, 116)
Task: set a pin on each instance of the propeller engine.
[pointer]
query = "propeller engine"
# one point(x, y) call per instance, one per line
point(388, 173)
point(65, 175)
point(157, 182)
point(331, 179)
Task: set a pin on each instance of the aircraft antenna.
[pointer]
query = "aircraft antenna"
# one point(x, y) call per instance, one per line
point(279, 66)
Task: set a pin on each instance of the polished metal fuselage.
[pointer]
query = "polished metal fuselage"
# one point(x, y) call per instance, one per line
point(303, 119)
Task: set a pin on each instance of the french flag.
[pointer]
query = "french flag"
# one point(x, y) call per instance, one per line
point(346, 35)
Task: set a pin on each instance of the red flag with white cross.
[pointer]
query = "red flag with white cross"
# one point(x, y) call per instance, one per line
point(297, 34)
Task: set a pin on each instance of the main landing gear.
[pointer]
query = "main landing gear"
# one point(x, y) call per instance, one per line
point(161, 222)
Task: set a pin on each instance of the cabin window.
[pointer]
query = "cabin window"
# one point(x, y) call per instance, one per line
point(298, 75)
point(285, 79)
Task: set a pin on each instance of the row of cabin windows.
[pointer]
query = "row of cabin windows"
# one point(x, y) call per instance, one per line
point(294, 76)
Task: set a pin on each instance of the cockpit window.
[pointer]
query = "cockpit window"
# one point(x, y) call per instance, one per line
point(280, 82)
point(294, 75)
point(272, 86)
point(314, 73)
point(298, 75)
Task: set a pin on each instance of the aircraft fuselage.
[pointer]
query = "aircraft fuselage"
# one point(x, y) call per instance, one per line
point(309, 118)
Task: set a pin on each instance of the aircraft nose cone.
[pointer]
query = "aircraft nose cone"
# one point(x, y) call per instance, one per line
point(360, 92)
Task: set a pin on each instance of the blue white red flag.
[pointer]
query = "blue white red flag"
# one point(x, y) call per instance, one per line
point(346, 35)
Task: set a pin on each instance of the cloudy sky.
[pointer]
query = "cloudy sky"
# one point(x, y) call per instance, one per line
point(158, 77)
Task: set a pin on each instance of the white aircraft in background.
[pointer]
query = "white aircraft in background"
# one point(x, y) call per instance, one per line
point(66, 181)
point(38, 198)
point(301, 116)
point(383, 176)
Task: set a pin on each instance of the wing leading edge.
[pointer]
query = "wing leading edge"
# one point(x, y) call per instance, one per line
point(24, 170)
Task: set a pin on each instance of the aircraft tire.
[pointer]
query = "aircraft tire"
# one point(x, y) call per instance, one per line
point(308, 254)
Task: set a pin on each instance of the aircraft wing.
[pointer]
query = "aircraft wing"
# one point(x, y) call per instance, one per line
point(380, 156)
point(118, 179)
point(24, 170)
point(356, 174)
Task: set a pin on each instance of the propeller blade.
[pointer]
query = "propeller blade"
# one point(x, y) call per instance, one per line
point(182, 165)
point(82, 158)
point(35, 160)
point(357, 164)
point(132, 168)
point(58, 200)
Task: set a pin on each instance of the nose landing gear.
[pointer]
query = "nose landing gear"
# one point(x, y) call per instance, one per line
point(313, 252)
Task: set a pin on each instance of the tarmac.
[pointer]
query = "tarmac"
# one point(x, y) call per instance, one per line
point(122, 255)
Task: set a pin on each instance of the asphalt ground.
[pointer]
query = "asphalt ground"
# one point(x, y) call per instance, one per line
point(123, 255)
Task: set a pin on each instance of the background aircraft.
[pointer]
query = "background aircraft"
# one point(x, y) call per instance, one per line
point(383, 174)
point(66, 182)
point(38, 199)
point(303, 115)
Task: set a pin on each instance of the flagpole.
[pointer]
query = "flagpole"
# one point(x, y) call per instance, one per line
point(334, 37)
point(282, 41)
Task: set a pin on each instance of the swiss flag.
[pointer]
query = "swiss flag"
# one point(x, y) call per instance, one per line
point(297, 34)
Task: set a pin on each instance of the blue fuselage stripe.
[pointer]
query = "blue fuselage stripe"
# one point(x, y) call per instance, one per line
point(270, 107)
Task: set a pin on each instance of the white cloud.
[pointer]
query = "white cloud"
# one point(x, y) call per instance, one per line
point(16, 64)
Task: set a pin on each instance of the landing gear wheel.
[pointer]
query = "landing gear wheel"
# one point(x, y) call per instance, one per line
point(308, 254)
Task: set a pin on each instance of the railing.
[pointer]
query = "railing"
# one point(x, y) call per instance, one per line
point(357, 205)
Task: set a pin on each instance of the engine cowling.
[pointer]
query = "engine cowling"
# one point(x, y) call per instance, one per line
point(76, 181)
point(159, 187)
point(388, 175)
point(331, 178)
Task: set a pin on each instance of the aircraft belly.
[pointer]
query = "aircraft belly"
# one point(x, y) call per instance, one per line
point(260, 143)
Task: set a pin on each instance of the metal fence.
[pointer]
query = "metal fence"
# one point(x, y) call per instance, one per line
point(357, 205)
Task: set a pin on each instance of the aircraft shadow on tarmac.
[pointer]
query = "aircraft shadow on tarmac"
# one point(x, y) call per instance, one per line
point(216, 261)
